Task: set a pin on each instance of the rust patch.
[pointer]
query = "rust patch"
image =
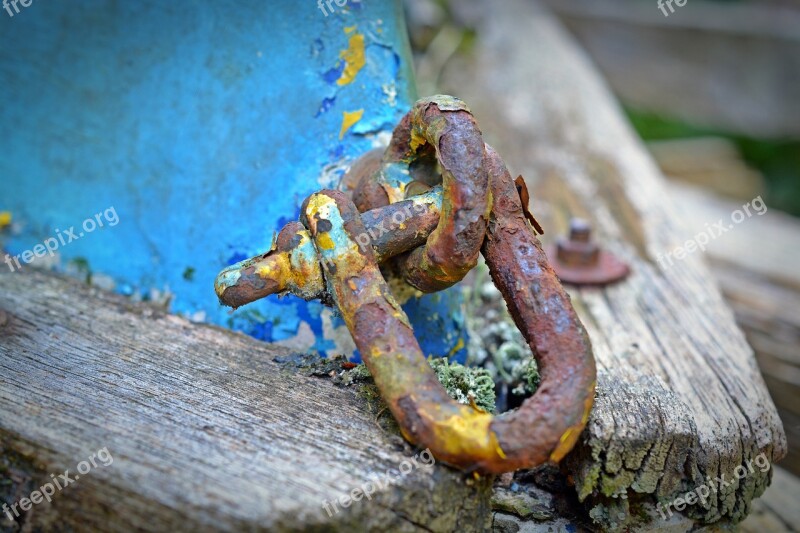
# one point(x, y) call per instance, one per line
point(525, 198)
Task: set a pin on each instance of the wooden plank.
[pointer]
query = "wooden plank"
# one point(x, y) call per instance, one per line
point(767, 245)
point(206, 430)
point(756, 266)
point(711, 162)
point(691, 63)
point(679, 396)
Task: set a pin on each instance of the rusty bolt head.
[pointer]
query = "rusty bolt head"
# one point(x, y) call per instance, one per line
point(578, 260)
point(579, 230)
point(578, 250)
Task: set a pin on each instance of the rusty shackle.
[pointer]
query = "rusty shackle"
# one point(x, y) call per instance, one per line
point(476, 209)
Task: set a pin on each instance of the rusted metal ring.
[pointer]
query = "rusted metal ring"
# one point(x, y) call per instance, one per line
point(455, 433)
point(326, 249)
point(440, 127)
point(548, 424)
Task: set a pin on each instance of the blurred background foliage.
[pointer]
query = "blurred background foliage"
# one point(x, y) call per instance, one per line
point(713, 88)
point(777, 160)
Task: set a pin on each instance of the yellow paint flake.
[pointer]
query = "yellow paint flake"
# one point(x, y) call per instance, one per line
point(349, 118)
point(5, 218)
point(570, 436)
point(417, 140)
point(274, 270)
point(324, 241)
point(468, 433)
point(457, 347)
point(354, 58)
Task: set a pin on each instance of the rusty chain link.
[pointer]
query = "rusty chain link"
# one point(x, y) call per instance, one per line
point(477, 209)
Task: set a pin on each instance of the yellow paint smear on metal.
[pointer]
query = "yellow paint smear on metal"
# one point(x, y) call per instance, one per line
point(275, 270)
point(395, 192)
point(570, 436)
point(324, 241)
point(354, 57)
point(417, 140)
point(349, 118)
point(468, 433)
point(319, 204)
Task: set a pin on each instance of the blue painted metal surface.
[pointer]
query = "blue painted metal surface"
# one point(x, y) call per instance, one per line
point(204, 125)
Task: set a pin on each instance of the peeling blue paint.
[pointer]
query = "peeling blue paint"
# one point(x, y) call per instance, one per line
point(331, 76)
point(236, 258)
point(326, 105)
point(385, 54)
point(205, 125)
point(337, 152)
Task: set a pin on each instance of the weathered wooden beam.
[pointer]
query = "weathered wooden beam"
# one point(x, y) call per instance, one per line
point(688, 63)
point(679, 394)
point(756, 266)
point(206, 430)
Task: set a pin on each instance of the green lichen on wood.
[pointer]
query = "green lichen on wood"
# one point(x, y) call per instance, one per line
point(495, 342)
point(461, 383)
point(526, 374)
point(520, 504)
point(465, 384)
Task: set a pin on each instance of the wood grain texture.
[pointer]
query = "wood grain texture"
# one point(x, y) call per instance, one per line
point(756, 267)
point(679, 394)
point(206, 431)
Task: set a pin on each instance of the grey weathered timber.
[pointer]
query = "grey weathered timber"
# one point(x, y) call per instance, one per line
point(756, 264)
point(679, 395)
point(206, 431)
point(729, 66)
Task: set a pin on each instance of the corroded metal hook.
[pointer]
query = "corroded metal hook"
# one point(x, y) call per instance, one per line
point(478, 209)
